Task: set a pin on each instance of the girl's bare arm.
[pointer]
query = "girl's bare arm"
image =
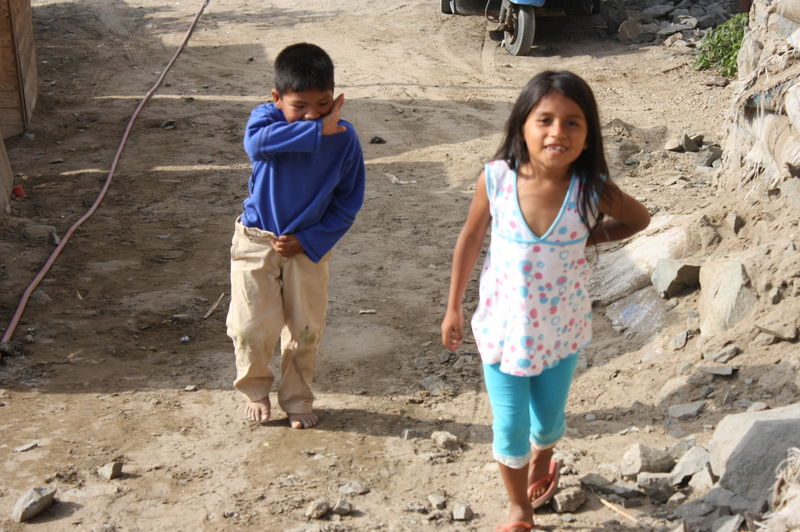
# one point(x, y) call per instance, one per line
point(625, 216)
point(465, 255)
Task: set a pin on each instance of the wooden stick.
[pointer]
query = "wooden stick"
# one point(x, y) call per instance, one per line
point(214, 306)
point(617, 509)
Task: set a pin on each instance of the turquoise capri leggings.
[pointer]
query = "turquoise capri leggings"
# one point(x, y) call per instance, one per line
point(527, 410)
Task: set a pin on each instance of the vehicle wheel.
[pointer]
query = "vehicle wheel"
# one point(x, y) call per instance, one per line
point(519, 39)
point(447, 9)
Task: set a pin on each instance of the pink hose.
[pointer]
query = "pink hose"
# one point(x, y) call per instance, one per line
point(56, 252)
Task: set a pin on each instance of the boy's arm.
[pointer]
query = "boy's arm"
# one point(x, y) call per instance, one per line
point(268, 134)
point(348, 197)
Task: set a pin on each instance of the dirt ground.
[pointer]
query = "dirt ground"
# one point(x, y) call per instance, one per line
point(131, 317)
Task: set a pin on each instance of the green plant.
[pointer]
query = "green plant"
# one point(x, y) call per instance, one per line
point(720, 46)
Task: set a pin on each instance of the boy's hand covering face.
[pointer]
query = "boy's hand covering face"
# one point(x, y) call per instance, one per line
point(330, 122)
point(312, 105)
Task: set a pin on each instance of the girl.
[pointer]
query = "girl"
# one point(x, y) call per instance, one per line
point(546, 195)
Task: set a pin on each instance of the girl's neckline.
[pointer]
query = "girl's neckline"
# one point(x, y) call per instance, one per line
point(554, 223)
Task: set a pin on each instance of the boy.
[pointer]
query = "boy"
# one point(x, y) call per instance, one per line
point(306, 187)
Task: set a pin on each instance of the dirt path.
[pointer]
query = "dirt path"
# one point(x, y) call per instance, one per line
point(120, 328)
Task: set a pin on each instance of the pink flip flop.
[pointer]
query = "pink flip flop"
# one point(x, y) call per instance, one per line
point(550, 480)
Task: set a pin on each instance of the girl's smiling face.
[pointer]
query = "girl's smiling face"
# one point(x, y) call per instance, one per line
point(555, 133)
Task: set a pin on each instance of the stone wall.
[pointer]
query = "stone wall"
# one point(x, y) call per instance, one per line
point(762, 148)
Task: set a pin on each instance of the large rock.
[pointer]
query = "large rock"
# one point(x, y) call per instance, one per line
point(623, 271)
point(640, 458)
point(672, 277)
point(726, 296)
point(746, 448)
point(642, 313)
point(32, 503)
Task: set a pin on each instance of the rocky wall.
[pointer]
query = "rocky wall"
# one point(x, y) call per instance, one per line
point(762, 147)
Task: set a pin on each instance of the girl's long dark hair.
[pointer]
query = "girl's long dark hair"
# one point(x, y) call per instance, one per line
point(591, 166)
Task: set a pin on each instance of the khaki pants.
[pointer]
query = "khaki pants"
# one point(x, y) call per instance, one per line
point(274, 297)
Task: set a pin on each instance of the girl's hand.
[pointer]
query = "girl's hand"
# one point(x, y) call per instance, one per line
point(330, 122)
point(287, 246)
point(453, 330)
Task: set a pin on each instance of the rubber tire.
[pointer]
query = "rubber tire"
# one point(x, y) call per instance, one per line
point(446, 7)
point(520, 42)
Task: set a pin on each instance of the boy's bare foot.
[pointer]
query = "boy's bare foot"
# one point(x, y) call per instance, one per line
point(258, 410)
point(303, 421)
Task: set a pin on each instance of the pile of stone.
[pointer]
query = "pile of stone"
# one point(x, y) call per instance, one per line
point(725, 487)
point(687, 19)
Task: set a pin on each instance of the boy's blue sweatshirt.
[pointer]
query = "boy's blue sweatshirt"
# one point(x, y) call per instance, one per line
point(303, 183)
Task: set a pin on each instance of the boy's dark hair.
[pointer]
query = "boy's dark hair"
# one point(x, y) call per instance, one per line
point(301, 67)
point(591, 167)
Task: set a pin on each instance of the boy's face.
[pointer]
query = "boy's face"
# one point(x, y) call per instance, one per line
point(305, 105)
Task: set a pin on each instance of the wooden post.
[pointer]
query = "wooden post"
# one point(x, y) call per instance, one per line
point(17, 67)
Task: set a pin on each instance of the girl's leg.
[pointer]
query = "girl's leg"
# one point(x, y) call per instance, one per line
point(509, 397)
point(549, 393)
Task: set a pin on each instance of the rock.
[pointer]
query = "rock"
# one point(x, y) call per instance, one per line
point(355, 487)
point(462, 512)
point(724, 355)
point(686, 410)
point(758, 406)
point(708, 156)
point(437, 501)
point(764, 339)
point(657, 486)
point(725, 296)
point(631, 31)
point(782, 328)
point(658, 10)
point(26, 447)
point(702, 481)
point(568, 499)
point(719, 371)
point(671, 277)
point(672, 387)
point(318, 509)
point(435, 386)
point(111, 470)
point(623, 271)
point(728, 523)
point(682, 447)
point(445, 440)
point(778, 377)
point(694, 461)
point(33, 502)
point(734, 222)
point(679, 340)
point(640, 458)
point(746, 449)
point(641, 313)
point(342, 507)
point(593, 481)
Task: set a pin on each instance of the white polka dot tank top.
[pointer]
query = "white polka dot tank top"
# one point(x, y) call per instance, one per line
point(534, 309)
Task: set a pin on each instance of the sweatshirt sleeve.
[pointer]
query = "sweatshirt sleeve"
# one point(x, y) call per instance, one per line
point(348, 197)
point(267, 134)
